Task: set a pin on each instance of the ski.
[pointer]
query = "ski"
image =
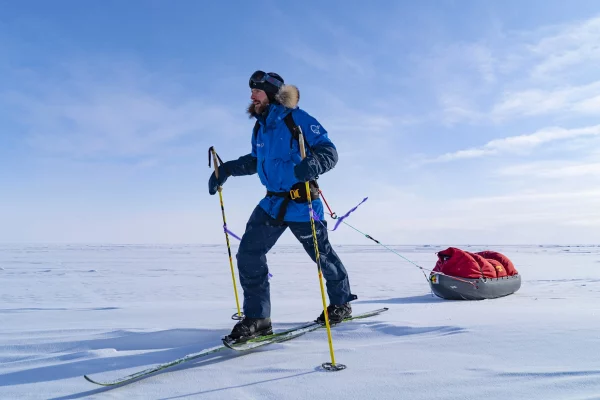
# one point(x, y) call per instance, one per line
point(293, 333)
point(260, 341)
point(157, 368)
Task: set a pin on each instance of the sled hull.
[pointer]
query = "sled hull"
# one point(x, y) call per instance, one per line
point(473, 289)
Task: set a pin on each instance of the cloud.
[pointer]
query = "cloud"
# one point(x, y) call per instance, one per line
point(552, 169)
point(475, 60)
point(584, 99)
point(373, 126)
point(588, 106)
point(457, 109)
point(517, 74)
point(574, 45)
point(310, 57)
point(335, 61)
point(327, 45)
point(549, 208)
point(129, 115)
point(458, 75)
point(585, 222)
point(553, 215)
point(360, 122)
point(519, 144)
point(533, 197)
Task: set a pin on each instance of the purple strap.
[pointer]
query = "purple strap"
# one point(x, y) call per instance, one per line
point(315, 216)
point(339, 221)
point(231, 233)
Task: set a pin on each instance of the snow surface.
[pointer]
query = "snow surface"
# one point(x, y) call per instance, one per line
point(109, 311)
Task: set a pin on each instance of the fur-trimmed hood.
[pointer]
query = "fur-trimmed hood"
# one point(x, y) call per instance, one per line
point(288, 96)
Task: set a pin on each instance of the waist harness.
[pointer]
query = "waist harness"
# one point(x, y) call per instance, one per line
point(296, 194)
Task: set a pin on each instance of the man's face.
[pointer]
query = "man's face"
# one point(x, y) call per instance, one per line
point(260, 100)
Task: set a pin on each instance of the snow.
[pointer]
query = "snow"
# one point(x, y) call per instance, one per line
point(108, 311)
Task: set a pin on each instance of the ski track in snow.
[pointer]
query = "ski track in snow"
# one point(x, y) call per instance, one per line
point(108, 311)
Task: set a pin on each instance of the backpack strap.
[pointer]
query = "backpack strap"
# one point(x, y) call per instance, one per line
point(291, 125)
point(256, 128)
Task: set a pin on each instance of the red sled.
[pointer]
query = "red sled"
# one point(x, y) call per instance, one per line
point(461, 275)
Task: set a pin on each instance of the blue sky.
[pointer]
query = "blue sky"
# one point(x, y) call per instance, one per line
point(462, 121)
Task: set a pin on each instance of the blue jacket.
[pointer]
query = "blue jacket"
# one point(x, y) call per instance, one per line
point(276, 155)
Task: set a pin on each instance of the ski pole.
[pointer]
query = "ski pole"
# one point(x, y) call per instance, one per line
point(216, 158)
point(332, 366)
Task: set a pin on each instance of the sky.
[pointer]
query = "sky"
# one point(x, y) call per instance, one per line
point(463, 122)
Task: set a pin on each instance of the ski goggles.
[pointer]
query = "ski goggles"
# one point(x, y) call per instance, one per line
point(259, 78)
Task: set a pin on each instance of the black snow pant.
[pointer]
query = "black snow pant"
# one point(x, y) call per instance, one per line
point(262, 232)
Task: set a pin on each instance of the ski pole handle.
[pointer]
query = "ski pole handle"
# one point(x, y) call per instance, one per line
point(301, 142)
point(214, 155)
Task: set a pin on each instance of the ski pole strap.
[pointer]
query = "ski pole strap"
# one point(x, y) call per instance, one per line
point(210, 150)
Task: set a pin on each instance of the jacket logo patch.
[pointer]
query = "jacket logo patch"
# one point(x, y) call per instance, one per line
point(260, 145)
point(316, 129)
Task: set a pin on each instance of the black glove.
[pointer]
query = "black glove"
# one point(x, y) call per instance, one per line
point(214, 183)
point(245, 165)
point(322, 159)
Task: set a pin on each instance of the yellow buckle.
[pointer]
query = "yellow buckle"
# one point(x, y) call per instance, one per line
point(295, 194)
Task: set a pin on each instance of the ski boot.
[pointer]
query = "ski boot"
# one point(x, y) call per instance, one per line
point(250, 328)
point(336, 314)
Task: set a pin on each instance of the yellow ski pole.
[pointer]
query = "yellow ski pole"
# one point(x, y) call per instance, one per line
point(215, 157)
point(332, 366)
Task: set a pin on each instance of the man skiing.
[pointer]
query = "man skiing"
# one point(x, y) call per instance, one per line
point(276, 158)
